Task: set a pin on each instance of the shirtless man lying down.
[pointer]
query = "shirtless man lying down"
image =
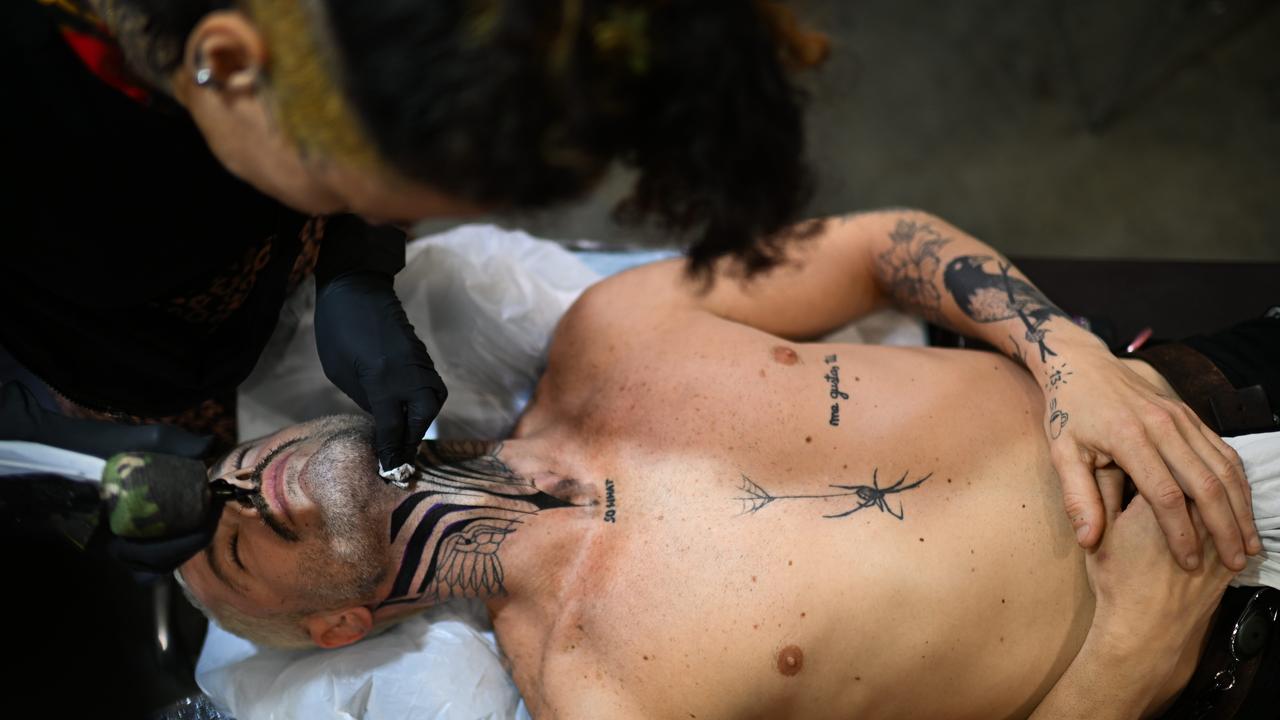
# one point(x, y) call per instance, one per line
point(702, 516)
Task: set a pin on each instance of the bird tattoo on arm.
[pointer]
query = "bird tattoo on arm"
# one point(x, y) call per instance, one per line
point(989, 296)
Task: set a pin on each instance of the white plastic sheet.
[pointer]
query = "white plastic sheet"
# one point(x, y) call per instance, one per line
point(438, 665)
point(484, 300)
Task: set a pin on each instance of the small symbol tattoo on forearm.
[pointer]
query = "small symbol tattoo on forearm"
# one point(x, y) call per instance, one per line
point(1057, 376)
point(1017, 354)
point(1057, 419)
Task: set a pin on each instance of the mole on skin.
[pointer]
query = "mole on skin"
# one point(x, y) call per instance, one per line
point(784, 355)
point(790, 660)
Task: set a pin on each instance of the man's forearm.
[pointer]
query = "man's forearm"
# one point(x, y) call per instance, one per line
point(906, 257)
point(1102, 683)
point(950, 278)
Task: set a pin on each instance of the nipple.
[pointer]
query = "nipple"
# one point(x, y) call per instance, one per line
point(790, 660)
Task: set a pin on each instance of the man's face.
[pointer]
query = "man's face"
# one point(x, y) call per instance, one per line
point(315, 536)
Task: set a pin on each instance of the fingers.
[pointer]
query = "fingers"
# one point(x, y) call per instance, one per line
point(168, 440)
point(422, 411)
point(1139, 458)
point(1080, 498)
point(1197, 521)
point(22, 418)
point(1111, 487)
point(160, 556)
point(1219, 498)
point(390, 435)
point(1234, 472)
point(1213, 565)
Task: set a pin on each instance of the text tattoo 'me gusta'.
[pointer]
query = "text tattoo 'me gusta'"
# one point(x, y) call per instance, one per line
point(833, 380)
point(466, 501)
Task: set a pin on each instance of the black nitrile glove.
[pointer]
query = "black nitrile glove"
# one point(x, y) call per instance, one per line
point(162, 555)
point(369, 350)
point(22, 418)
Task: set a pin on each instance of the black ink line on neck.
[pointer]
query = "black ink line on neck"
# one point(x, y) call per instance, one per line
point(417, 544)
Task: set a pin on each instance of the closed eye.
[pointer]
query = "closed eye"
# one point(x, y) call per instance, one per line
point(235, 552)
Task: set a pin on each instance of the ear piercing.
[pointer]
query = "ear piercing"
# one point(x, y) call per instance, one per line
point(204, 77)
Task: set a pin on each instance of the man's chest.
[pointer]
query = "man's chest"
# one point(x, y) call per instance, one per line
point(697, 608)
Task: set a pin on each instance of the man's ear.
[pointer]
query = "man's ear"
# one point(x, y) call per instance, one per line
point(228, 50)
point(339, 627)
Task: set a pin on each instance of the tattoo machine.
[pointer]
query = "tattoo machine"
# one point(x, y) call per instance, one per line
point(147, 499)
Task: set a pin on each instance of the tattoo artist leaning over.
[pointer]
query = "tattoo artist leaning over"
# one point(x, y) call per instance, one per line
point(1098, 413)
point(178, 166)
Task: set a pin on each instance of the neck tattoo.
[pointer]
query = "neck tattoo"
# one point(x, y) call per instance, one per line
point(465, 502)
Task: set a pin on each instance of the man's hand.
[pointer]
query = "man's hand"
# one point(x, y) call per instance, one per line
point(369, 350)
point(1143, 644)
point(1148, 608)
point(1144, 599)
point(1104, 412)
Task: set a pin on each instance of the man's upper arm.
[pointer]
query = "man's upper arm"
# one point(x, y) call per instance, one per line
point(824, 282)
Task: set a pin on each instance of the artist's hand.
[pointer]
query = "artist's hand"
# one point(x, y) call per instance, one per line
point(1099, 411)
point(369, 350)
point(22, 418)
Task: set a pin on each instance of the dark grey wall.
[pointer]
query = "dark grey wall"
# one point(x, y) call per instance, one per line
point(1122, 128)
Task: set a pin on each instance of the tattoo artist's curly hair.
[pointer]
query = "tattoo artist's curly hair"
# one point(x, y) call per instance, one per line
point(520, 105)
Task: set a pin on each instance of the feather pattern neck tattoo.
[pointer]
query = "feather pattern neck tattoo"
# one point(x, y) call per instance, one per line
point(465, 502)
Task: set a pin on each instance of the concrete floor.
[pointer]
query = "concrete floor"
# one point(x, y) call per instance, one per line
point(1069, 128)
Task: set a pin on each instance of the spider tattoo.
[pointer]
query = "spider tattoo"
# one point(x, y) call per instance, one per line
point(866, 496)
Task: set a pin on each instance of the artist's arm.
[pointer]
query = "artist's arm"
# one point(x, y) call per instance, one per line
point(366, 344)
point(1148, 625)
point(1096, 410)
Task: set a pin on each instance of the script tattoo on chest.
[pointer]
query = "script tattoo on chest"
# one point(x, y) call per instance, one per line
point(610, 503)
point(464, 504)
point(833, 380)
point(755, 498)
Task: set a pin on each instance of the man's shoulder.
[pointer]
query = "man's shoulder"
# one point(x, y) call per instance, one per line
point(623, 306)
point(611, 321)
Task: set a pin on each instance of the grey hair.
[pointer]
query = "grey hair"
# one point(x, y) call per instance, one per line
point(282, 631)
point(279, 630)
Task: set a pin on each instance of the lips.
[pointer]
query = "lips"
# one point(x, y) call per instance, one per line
point(273, 484)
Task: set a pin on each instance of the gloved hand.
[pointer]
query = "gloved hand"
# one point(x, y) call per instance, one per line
point(22, 418)
point(369, 350)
